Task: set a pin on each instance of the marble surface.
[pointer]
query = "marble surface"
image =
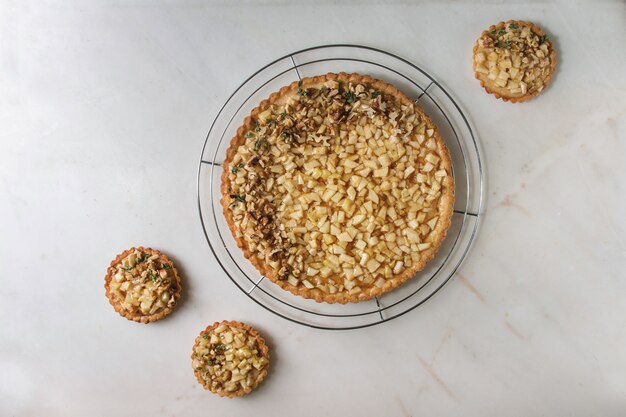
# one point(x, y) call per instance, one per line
point(104, 107)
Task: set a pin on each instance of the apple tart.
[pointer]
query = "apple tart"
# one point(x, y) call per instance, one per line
point(230, 359)
point(338, 188)
point(514, 60)
point(142, 284)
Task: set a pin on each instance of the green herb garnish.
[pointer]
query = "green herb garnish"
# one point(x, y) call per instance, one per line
point(127, 268)
point(507, 44)
point(167, 266)
point(153, 275)
point(543, 39)
point(350, 97)
point(513, 26)
point(257, 127)
point(501, 31)
point(199, 368)
point(237, 167)
point(257, 144)
point(240, 198)
point(205, 336)
point(302, 92)
point(375, 94)
point(283, 115)
point(249, 135)
point(221, 347)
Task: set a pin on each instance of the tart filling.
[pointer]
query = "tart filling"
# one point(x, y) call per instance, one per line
point(230, 358)
point(142, 284)
point(514, 59)
point(338, 188)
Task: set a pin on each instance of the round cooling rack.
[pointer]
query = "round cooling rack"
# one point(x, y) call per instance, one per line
point(467, 169)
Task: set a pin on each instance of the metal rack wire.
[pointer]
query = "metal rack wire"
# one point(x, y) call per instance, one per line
point(467, 169)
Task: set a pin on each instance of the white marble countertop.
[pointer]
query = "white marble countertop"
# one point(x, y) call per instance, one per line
point(105, 106)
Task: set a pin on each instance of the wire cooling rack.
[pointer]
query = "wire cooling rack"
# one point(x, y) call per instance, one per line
point(467, 169)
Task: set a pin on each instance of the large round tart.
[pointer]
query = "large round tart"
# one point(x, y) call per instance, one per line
point(338, 188)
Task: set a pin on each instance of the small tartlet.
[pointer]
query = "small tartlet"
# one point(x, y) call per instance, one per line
point(514, 60)
point(142, 284)
point(230, 359)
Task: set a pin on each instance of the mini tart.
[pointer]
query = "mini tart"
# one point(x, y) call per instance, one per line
point(514, 60)
point(142, 284)
point(230, 359)
point(338, 188)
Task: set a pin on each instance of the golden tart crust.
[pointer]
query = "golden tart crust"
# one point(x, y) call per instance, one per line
point(142, 284)
point(268, 139)
point(514, 60)
point(230, 359)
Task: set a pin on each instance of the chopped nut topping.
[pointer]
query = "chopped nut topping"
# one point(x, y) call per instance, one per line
point(337, 187)
point(229, 359)
point(514, 58)
point(143, 283)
